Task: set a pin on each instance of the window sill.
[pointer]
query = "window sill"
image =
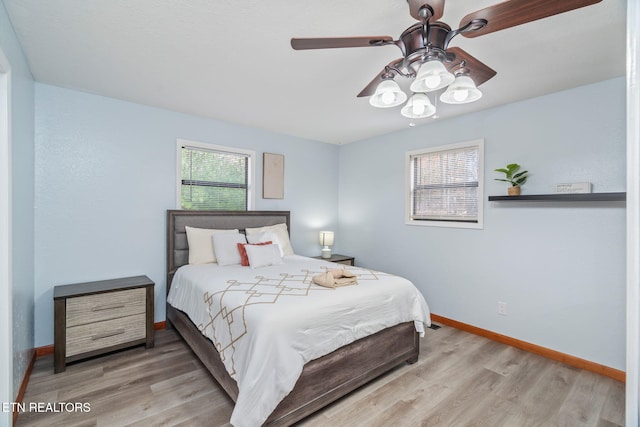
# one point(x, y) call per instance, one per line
point(447, 224)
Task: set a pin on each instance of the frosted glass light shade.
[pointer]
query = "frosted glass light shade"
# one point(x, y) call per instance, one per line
point(388, 94)
point(418, 107)
point(432, 75)
point(326, 238)
point(462, 91)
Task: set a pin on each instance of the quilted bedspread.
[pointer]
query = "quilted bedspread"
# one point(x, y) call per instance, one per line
point(267, 323)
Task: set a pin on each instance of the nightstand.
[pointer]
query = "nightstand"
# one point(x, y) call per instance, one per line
point(93, 318)
point(340, 259)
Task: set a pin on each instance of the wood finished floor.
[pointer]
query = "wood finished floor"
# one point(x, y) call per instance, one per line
point(460, 380)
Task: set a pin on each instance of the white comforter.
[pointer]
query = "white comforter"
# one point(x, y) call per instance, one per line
point(267, 323)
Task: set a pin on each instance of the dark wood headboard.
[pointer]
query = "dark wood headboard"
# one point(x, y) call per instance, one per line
point(177, 246)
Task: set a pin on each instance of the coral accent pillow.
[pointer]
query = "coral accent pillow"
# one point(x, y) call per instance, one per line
point(244, 259)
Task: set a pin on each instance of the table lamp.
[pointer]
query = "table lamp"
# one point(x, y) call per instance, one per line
point(326, 240)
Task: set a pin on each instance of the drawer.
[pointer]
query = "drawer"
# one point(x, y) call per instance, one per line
point(105, 306)
point(99, 335)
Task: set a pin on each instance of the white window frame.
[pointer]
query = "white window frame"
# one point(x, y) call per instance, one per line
point(479, 143)
point(206, 146)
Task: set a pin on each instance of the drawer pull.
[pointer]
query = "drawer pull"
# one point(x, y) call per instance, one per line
point(107, 307)
point(107, 334)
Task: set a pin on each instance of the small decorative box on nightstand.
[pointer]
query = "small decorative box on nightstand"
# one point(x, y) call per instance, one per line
point(340, 259)
point(98, 317)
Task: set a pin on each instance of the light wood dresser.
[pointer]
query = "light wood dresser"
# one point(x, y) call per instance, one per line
point(93, 318)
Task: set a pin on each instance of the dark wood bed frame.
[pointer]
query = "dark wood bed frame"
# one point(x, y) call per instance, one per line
point(323, 380)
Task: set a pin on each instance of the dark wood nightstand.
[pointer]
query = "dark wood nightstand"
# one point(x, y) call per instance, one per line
point(98, 317)
point(340, 259)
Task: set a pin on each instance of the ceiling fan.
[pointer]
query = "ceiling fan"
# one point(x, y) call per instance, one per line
point(427, 57)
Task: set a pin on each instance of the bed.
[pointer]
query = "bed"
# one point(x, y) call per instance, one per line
point(323, 379)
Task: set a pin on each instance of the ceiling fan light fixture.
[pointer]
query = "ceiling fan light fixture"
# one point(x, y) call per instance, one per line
point(388, 94)
point(425, 51)
point(431, 76)
point(419, 106)
point(462, 91)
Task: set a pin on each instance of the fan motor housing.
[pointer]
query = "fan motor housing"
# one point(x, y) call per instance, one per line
point(417, 43)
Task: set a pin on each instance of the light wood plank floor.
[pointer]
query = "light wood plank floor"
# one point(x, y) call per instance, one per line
point(460, 380)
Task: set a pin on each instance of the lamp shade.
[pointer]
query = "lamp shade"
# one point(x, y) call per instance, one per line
point(432, 75)
point(418, 107)
point(388, 94)
point(326, 238)
point(462, 91)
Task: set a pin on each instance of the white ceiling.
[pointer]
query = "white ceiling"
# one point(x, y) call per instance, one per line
point(231, 60)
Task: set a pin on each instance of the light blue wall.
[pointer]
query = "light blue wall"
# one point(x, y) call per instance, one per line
point(559, 267)
point(106, 174)
point(22, 187)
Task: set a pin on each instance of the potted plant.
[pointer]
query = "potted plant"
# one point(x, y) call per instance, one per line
point(512, 176)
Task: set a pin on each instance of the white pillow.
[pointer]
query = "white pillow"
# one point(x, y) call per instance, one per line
point(281, 234)
point(264, 255)
point(265, 237)
point(200, 244)
point(225, 247)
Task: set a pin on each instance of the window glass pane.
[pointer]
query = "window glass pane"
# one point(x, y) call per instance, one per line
point(446, 204)
point(215, 180)
point(445, 185)
point(212, 198)
point(213, 166)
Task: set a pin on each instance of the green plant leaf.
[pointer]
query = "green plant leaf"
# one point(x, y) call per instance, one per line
point(516, 179)
point(521, 180)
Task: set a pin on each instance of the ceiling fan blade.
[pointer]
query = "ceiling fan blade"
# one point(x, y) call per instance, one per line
point(516, 12)
point(339, 42)
point(478, 71)
point(370, 89)
point(436, 5)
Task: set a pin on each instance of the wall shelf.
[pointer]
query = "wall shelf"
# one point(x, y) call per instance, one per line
point(563, 197)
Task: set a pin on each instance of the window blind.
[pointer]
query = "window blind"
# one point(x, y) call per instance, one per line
point(445, 185)
point(214, 180)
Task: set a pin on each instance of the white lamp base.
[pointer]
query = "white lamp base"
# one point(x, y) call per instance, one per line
point(326, 252)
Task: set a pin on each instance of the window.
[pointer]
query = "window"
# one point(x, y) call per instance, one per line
point(212, 177)
point(445, 185)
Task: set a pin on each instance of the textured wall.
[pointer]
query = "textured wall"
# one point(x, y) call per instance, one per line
point(22, 198)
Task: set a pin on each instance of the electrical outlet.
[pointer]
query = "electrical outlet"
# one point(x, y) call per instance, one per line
point(502, 308)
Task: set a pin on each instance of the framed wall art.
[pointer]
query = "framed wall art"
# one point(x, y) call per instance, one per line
point(272, 176)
